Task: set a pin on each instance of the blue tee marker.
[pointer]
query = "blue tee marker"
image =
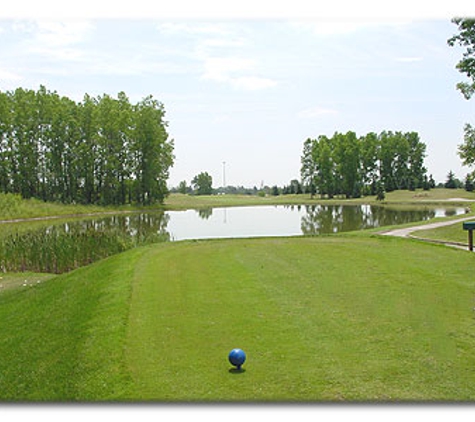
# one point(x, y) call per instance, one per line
point(237, 357)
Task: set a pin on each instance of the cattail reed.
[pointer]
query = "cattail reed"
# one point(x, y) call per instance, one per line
point(62, 248)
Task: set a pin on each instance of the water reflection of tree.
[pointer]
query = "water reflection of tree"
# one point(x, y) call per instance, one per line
point(205, 213)
point(143, 227)
point(325, 219)
point(62, 247)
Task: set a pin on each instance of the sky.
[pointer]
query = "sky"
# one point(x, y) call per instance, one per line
point(243, 90)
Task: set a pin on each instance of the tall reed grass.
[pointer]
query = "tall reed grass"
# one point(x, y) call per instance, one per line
point(13, 206)
point(62, 248)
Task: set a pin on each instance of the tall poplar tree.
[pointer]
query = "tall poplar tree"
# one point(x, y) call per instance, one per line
point(348, 165)
point(102, 150)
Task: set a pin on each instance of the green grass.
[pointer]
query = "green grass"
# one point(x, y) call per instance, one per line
point(452, 233)
point(419, 196)
point(63, 339)
point(15, 207)
point(433, 195)
point(331, 318)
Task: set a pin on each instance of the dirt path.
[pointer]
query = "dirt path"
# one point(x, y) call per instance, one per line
point(407, 232)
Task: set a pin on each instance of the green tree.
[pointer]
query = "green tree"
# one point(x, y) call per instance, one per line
point(387, 160)
point(469, 185)
point(380, 194)
point(417, 154)
point(345, 164)
point(24, 143)
point(451, 182)
point(88, 149)
point(103, 150)
point(401, 161)
point(183, 187)
point(466, 150)
point(5, 142)
point(347, 158)
point(308, 170)
point(202, 184)
point(327, 177)
point(295, 187)
point(369, 145)
point(465, 38)
point(153, 152)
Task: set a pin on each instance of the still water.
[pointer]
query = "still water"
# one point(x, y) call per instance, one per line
point(291, 220)
point(61, 247)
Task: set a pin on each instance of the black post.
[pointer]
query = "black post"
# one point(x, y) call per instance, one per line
point(470, 240)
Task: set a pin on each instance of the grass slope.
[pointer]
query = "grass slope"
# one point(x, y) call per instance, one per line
point(321, 319)
point(418, 197)
point(13, 206)
point(452, 233)
point(62, 339)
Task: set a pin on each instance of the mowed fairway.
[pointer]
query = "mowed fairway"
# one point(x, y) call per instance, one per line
point(320, 319)
point(334, 318)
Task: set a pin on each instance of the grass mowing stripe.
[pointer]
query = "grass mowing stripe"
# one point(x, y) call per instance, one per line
point(320, 319)
point(63, 340)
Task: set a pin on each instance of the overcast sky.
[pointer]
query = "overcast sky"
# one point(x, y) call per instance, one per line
point(248, 90)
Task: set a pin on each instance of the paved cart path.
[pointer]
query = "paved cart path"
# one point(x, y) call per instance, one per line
point(407, 231)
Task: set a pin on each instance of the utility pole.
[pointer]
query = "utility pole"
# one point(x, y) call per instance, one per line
point(224, 175)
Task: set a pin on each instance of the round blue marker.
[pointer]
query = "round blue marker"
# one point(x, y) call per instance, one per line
point(237, 357)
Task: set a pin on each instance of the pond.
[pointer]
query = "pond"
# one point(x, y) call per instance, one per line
point(256, 221)
point(60, 247)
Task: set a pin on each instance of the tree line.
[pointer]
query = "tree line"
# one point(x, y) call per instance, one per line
point(348, 165)
point(102, 150)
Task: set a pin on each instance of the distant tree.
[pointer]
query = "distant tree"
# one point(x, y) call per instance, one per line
point(202, 184)
point(466, 150)
point(451, 182)
point(431, 182)
point(183, 187)
point(347, 160)
point(369, 161)
point(312, 189)
point(294, 188)
point(426, 183)
point(345, 164)
point(469, 185)
point(380, 194)
point(275, 190)
point(308, 170)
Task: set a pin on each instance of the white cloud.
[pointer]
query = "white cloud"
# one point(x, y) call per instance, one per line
point(222, 42)
point(230, 70)
point(331, 27)
point(61, 33)
point(253, 83)
point(181, 28)
point(6, 75)
point(408, 59)
point(221, 68)
point(56, 40)
point(316, 112)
